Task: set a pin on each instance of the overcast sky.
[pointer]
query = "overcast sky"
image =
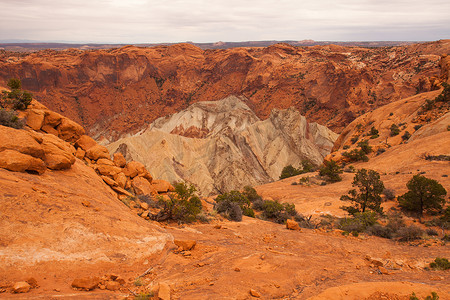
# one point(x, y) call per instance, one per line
point(150, 21)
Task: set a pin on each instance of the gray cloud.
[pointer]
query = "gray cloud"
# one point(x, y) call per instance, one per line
point(136, 21)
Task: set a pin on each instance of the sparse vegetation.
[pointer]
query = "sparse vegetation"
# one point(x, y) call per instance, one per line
point(406, 136)
point(394, 130)
point(424, 194)
point(290, 171)
point(233, 205)
point(276, 211)
point(370, 187)
point(409, 233)
point(434, 296)
point(10, 119)
point(440, 263)
point(389, 194)
point(331, 170)
point(182, 205)
point(444, 96)
point(18, 98)
point(359, 222)
point(373, 133)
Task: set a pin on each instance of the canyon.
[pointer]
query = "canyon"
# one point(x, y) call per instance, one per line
point(73, 196)
point(116, 92)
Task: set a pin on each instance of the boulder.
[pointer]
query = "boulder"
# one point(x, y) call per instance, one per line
point(144, 205)
point(105, 161)
point(162, 186)
point(121, 191)
point(142, 186)
point(108, 170)
point(49, 129)
point(292, 225)
point(121, 179)
point(21, 287)
point(109, 181)
point(19, 162)
point(52, 118)
point(255, 293)
point(35, 118)
point(80, 153)
point(134, 169)
point(112, 285)
point(97, 152)
point(119, 160)
point(85, 142)
point(69, 130)
point(20, 141)
point(185, 245)
point(58, 153)
point(86, 283)
point(164, 291)
point(32, 282)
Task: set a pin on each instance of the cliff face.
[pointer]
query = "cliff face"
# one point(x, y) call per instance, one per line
point(119, 91)
point(222, 145)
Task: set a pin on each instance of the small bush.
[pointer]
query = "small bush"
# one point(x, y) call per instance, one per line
point(445, 95)
point(10, 119)
point(356, 155)
point(331, 170)
point(354, 139)
point(394, 130)
point(359, 222)
point(226, 205)
point(417, 127)
point(389, 194)
point(440, 263)
point(258, 205)
point(373, 133)
point(19, 99)
point(183, 204)
point(251, 194)
point(381, 231)
point(395, 222)
point(406, 136)
point(409, 233)
point(289, 171)
point(431, 232)
point(276, 211)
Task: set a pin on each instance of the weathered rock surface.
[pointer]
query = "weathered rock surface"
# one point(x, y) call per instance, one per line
point(20, 141)
point(59, 155)
point(21, 287)
point(235, 148)
point(18, 162)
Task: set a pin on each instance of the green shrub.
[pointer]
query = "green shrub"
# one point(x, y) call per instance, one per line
point(444, 96)
point(226, 205)
point(417, 127)
point(406, 136)
point(251, 194)
point(10, 119)
point(18, 98)
point(331, 170)
point(356, 155)
point(434, 296)
point(183, 204)
point(359, 222)
point(276, 211)
point(373, 133)
point(394, 130)
point(440, 263)
point(289, 171)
